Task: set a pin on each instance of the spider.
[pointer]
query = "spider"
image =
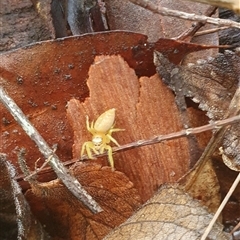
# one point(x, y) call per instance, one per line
point(101, 132)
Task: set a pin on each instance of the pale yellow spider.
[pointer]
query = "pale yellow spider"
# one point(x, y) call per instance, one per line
point(101, 132)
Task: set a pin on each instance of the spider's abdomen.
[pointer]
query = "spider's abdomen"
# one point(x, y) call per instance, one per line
point(105, 121)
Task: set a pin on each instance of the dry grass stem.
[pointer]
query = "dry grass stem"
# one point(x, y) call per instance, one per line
point(183, 15)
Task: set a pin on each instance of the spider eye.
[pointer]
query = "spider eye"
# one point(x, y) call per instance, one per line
point(97, 141)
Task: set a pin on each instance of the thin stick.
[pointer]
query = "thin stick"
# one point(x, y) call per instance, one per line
point(230, 4)
point(189, 33)
point(69, 181)
point(236, 228)
point(170, 136)
point(225, 200)
point(209, 31)
point(157, 139)
point(24, 167)
point(183, 15)
point(30, 175)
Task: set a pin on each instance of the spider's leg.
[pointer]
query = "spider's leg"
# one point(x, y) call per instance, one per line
point(102, 148)
point(83, 149)
point(89, 153)
point(87, 123)
point(113, 139)
point(92, 124)
point(110, 157)
point(94, 150)
point(88, 146)
point(90, 128)
point(115, 130)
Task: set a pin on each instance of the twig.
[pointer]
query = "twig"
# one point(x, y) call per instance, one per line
point(157, 139)
point(170, 136)
point(183, 15)
point(25, 169)
point(236, 228)
point(22, 163)
point(209, 31)
point(70, 182)
point(230, 4)
point(189, 33)
point(220, 208)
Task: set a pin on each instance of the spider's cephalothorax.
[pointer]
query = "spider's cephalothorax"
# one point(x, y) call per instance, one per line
point(101, 132)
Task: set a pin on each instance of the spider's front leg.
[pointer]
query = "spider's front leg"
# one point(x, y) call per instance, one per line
point(110, 157)
point(89, 146)
point(90, 128)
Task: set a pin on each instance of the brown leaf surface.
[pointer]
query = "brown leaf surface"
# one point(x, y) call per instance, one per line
point(170, 214)
point(145, 107)
point(202, 184)
point(42, 78)
point(120, 16)
point(211, 83)
point(67, 218)
point(16, 220)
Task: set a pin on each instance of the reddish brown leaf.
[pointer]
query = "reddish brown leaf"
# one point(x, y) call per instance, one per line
point(66, 218)
point(120, 17)
point(145, 108)
point(41, 79)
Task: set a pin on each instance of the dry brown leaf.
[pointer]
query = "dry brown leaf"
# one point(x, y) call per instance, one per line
point(16, 219)
point(67, 218)
point(145, 108)
point(120, 16)
point(46, 75)
point(211, 83)
point(171, 214)
point(202, 184)
point(58, 70)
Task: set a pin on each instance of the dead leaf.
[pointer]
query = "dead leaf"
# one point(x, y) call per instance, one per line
point(145, 108)
point(16, 219)
point(170, 214)
point(202, 184)
point(67, 218)
point(42, 78)
point(47, 79)
point(211, 83)
point(46, 75)
point(120, 17)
